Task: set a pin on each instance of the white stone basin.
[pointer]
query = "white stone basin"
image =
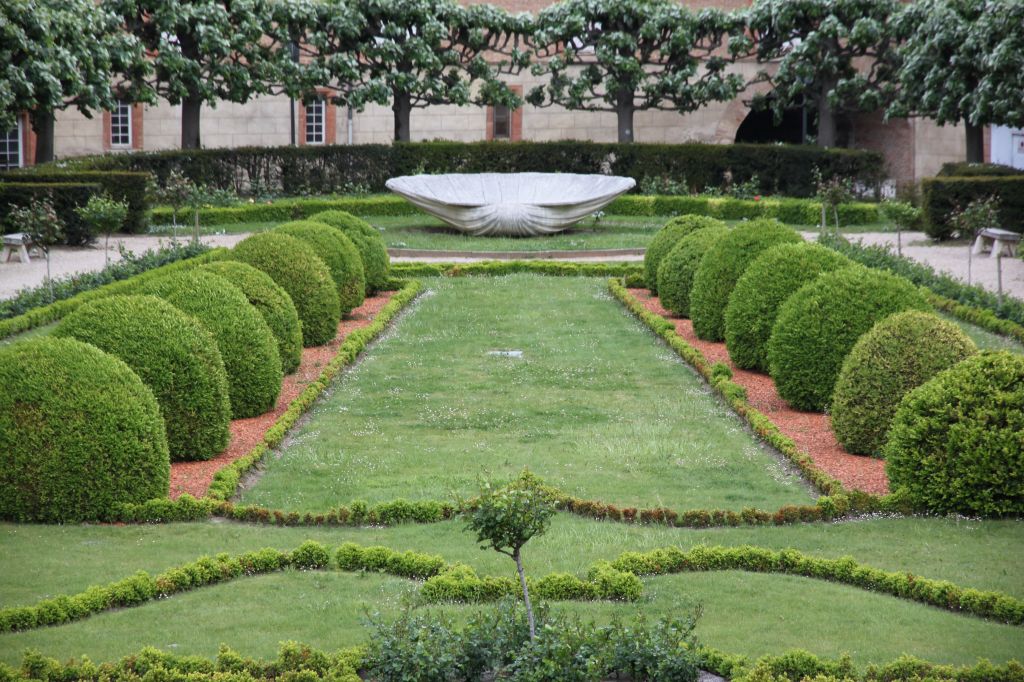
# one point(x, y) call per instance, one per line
point(510, 204)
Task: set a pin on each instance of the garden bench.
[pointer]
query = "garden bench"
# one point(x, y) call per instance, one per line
point(999, 242)
point(16, 242)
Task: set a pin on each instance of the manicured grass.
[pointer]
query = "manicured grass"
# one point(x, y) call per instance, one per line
point(595, 405)
point(985, 339)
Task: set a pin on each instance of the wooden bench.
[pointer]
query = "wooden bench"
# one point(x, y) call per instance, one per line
point(997, 242)
point(16, 243)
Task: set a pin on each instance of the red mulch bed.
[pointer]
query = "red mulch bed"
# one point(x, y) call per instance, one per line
point(194, 478)
point(811, 431)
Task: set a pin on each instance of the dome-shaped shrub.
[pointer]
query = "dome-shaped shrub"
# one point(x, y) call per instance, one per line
point(819, 324)
point(272, 302)
point(294, 265)
point(339, 253)
point(246, 344)
point(79, 432)
point(895, 356)
point(766, 284)
point(956, 444)
point(675, 274)
point(666, 239)
point(369, 242)
point(174, 355)
point(723, 265)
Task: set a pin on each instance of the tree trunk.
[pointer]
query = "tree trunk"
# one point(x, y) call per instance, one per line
point(624, 113)
point(526, 595)
point(826, 121)
point(975, 143)
point(42, 126)
point(190, 110)
point(402, 107)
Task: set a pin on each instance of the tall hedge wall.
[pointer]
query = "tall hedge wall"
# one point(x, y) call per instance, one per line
point(940, 196)
point(782, 169)
point(66, 197)
point(126, 186)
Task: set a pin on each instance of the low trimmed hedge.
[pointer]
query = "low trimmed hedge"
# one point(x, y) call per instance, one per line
point(956, 444)
point(894, 357)
point(765, 285)
point(79, 432)
point(174, 355)
point(66, 197)
point(941, 196)
point(339, 254)
point(460, 584)
point(246, 344)
point(723, 265)
point(817, 327)
point(665, 240)
point(272, 303)
point(677, 269)
point(294, 265)
point(369, 242)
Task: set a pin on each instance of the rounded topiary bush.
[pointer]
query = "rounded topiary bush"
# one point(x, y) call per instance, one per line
point(765, 285)
point(666, 239)
point(723, 265)
point(339, 253)
point(895, 356)
point(956, 444)
point(819, 324)
point(246, 344)
point(272, 303)
point(676, 271)
point(371, 246)
point(294, 265)
point(79, 433)
point(174, 355)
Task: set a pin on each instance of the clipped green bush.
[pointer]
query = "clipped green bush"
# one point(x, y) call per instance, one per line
point(956, 444)
point(79, 433)
point(339, 253)
point(174, 355)
point(666, 238)
point(272, 302)
point(246, 344)
point(723, 265)
point(819, 324)
point(676, 271)
point(376, 262)
point(294, 265)
point(894, 357)
point(768, 281)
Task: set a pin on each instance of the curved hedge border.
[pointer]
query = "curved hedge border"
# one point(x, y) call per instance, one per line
point(494, 268)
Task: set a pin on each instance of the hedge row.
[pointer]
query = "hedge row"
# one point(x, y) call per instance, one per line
point(128, 187)
point(461, 585)
point(940, 593)
point(497, 268)
point(65, 196)
point(941, 196)
point(781, 169)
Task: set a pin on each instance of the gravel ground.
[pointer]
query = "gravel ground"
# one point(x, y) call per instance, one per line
point(952, 259)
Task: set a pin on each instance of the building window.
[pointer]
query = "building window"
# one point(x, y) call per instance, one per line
point(502, 123)
point(10, 148)
point(315, 120)
point(121, 125)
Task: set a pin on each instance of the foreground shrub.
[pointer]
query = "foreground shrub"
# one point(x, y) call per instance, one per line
point(721, 268)
point(174, 355)
point(819, 324)
point(79, 432)
point(897, 355)
point(676, 271)
point(766, 284)
point(373, 251)
point(956, 444)
point(246, 343)
point(340, 255)
point(294, 265)
point(272, 303)
point(666, 239)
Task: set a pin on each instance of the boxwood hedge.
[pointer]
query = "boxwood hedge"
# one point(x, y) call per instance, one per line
point(174, 355)
point(79, 432)
point(676, 271)
point(246, 343)
point(895, 356)
point(376, 262)
point(666, 238)
point(294, 265)
point(956, 444)
point(272, 302)
point(819, 324)
point(339, 253)
point(721, 268)
point(766, 284)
